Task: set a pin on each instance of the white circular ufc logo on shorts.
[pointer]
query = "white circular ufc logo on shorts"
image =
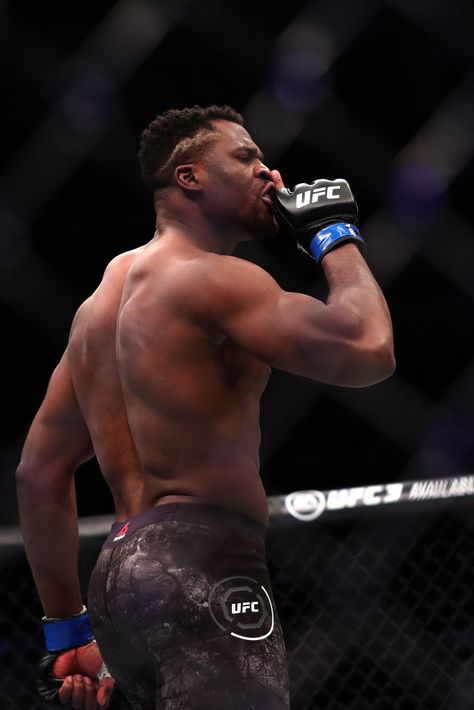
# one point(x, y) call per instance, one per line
point(242, 606)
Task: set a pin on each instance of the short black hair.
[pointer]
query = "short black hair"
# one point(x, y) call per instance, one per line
point(178, 135)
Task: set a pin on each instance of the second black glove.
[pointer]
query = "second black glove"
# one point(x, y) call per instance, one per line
point(321, 215)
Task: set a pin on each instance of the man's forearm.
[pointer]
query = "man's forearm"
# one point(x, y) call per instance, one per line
point(353, 287)
point(352, 284)
point(49, 526)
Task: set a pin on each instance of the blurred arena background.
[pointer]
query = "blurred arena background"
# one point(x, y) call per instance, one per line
point(378, 92)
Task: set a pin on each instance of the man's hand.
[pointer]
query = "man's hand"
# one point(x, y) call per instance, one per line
point(277, 181)
point(321, 215)
point(77, 677)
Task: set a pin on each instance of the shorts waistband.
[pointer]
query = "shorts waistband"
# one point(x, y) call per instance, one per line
point(189, 513)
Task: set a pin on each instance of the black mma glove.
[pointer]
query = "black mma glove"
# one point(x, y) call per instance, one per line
point(46, 682)
point(321, 216)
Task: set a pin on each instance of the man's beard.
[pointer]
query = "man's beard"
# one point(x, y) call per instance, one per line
point(263, 225)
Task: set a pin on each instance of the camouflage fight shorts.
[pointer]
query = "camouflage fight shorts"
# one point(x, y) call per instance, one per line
point(183, 612)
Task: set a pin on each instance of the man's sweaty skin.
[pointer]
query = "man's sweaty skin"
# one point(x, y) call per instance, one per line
point(192, 397)
point(167, 361)
point(191, 392)
point(188, 429)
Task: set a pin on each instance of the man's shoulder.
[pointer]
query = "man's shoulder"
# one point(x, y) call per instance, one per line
point(122, 261)
point(215, 284)
point(109, 289)
point(224, 270)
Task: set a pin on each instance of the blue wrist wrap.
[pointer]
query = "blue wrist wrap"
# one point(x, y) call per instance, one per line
point(61, 634)
point(329, 236)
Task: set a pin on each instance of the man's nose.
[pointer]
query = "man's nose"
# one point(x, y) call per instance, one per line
point(263, 171)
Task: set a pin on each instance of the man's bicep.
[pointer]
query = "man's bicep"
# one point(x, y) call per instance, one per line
point(291, 331)
point(285, 330)
point(247, 305)
point(58, 437)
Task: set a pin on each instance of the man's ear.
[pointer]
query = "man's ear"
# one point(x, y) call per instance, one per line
point(187, 177)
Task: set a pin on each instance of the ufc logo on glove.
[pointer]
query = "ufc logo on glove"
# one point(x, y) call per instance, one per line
point(330, 193)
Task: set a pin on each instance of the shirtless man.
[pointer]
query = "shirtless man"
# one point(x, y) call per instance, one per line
point(161, 381)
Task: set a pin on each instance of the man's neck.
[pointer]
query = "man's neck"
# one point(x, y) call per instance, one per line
point(199, 234)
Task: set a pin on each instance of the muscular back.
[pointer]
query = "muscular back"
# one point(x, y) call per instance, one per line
point(171, 405)
point(192, 396)
point(92, 363)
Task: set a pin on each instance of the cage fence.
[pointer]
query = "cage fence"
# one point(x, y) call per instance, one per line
point(373, 585)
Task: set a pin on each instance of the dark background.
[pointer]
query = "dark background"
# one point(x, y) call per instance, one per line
point(380, 93)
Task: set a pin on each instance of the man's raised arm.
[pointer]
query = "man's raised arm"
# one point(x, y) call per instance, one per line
point(346, 340)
